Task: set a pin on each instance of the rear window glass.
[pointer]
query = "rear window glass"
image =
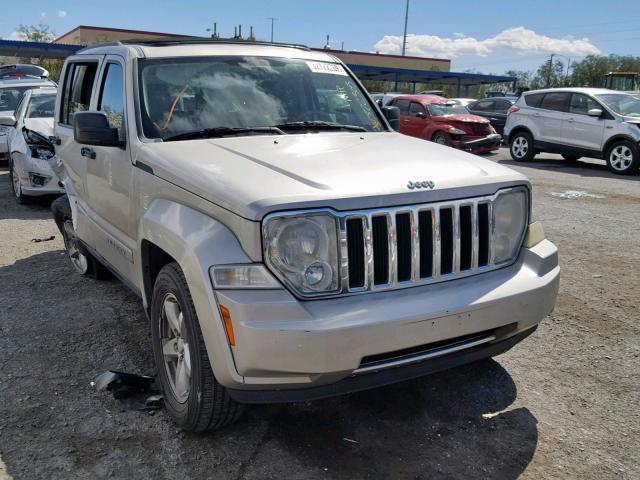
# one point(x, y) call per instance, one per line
point(534, 99)
point(485, 105)
point(556, 101)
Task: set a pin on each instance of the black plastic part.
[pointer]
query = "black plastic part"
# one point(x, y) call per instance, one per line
point(355, 249)
point(383, 377)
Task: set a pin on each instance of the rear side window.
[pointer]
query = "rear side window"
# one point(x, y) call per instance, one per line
point(483, 105)
point(112, 97)
point(557, 101)
point(534, 99)
point(76, 95)
point(415, 108)
point(403, 105)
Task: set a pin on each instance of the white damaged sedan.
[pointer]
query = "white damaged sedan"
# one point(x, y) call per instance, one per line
point(30, 147)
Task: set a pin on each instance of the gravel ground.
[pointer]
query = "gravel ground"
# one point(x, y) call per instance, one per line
point(563, 404)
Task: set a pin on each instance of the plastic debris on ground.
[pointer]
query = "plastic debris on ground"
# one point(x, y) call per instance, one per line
point(45, 239)
point(132, 390)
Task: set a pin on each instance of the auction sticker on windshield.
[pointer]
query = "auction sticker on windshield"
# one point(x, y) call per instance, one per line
point(325, 67)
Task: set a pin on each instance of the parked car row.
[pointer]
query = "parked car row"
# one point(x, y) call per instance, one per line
point(573, 122)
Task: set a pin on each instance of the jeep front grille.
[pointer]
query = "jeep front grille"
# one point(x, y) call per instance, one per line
point(408, 246)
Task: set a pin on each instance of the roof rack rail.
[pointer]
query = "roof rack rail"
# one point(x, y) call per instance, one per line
point(165, 42)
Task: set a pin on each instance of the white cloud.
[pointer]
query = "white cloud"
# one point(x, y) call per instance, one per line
point(43, 14)
point(518, 39)
point(62, 13)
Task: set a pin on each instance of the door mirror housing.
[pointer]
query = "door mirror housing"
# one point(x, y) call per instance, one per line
point(8, 121)
point(421, 115)
point(92, 128)
point(392, 115)
point(595, 112)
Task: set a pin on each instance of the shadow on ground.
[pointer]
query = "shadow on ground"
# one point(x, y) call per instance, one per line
point(586, 169)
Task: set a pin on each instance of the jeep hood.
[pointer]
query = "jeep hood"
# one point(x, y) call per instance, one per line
point(255, 175)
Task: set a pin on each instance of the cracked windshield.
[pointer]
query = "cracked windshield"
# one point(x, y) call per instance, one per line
point(180, 97)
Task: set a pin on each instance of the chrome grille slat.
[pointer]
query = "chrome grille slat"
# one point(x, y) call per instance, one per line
point(472, 249)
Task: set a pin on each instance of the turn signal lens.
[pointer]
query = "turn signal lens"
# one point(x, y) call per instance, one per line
point(228, 325)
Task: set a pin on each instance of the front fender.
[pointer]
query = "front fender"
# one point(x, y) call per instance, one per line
point(196, 241)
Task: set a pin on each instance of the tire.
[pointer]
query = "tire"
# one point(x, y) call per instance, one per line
point(623, 157)
point(521, 147)
point(571, 158)
point(82, 261)
point(192, 395)
point(442, 138)
point(16, 188)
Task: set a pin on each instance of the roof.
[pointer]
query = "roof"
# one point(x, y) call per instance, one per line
point(390, 74)
point(19, 48)
point(45, 91)
point(589, 91)
point(198, 47)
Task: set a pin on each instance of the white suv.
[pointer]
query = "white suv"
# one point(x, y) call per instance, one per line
point(577, 122)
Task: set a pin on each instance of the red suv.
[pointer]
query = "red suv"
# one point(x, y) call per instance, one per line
point(440, 120)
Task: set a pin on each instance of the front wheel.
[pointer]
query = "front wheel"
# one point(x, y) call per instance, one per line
point(442, 138)
point(193, 397)
point(623, 157)
point(82, 261)
point(521, 147)
point(16, 187)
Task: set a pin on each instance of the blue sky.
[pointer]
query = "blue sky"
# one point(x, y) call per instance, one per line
point(491, 38)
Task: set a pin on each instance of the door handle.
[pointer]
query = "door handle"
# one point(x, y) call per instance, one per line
point(88, 152)
point(570, 120)
point(536, 114)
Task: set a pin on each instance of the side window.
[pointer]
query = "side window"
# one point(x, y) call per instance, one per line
point(581, 104)
point(403, 105)
point(415, 108)
point(534, 99)
point(76, 95)
point(556, 101)
point(111, 100)
point(484, 105)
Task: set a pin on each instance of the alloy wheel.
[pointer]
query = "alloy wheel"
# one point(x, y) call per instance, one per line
point(15, 182)
point(175, 348)
point(78, 259)
point(520, 147)
point(621, 157)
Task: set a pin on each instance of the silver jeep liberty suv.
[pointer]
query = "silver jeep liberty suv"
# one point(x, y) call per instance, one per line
point(286, 242)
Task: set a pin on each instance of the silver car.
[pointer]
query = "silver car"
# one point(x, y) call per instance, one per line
point(11, 91)
point(30, 147)
point(577, 122)
point(286, 243)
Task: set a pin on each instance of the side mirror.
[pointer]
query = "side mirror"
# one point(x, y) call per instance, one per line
point(393, 117)
point(594, 112)
point(8, 121)
point(421, 115)
point(92, 128)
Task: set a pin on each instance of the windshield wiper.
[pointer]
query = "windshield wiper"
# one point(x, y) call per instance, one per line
point(222, 132)
point(319, 124)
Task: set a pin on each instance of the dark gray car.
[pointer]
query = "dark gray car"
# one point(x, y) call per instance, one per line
point(494, 108)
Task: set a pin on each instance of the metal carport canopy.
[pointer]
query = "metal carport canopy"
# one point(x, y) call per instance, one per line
point(460, 79)
point(19, 48)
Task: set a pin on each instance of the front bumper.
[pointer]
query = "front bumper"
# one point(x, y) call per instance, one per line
point(284, 344)
point(489, 140)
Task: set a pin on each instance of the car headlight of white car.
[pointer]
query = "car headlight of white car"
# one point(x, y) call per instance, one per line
point(302, 251)
point(510, 219)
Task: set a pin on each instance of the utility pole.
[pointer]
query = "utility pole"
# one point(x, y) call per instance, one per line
point(273, 19)
point(549, 71)
point(406, 21)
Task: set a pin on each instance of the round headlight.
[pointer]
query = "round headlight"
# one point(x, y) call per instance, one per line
point(303, 252)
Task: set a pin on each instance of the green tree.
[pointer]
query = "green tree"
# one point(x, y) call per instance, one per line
point(41, 33)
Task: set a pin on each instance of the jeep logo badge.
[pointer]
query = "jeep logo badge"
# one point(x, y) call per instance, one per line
point(425, 184)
